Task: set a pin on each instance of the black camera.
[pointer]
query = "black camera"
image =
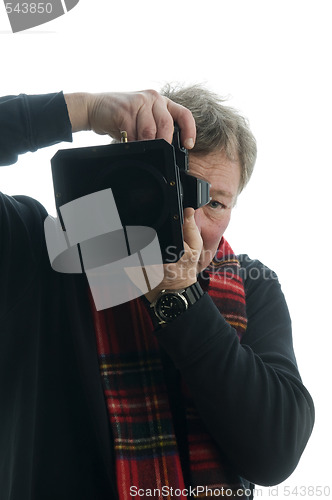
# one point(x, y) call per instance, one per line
point(149, 181)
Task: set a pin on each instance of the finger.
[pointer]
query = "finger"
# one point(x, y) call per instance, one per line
point(145, 123)
point(163, 120)
point(191, 234)
point(183, 117)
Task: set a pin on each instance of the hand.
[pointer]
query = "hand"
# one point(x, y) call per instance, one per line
point(143, 115)
point(183, 273)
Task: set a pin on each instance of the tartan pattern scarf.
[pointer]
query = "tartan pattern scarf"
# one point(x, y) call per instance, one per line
point(145, 446)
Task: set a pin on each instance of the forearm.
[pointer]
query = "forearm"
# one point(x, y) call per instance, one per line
point(28, 123)
point(31, 122)
point(254, 406)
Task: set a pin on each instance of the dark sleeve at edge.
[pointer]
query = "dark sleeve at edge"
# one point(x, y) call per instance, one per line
point(31, 122)
point(249, 394)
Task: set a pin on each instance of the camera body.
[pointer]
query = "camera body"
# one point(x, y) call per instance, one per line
point(149, 181)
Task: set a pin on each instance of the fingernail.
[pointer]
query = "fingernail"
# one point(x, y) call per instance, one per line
point(190, 213)
point(189, 143)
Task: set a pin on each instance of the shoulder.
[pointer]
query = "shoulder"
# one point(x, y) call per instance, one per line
point(265, 302)
point(262, 288)
point(256, 274)
point(21, 225)
point(20, 206)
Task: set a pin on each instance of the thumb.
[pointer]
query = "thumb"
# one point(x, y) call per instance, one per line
point(191, 233)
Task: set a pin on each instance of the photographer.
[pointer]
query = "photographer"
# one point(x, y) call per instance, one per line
point(97, 405)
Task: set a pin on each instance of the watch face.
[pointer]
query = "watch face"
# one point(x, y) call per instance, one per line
point(170, 306)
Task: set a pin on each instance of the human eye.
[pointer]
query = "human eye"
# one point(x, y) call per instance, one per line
point(216, 205)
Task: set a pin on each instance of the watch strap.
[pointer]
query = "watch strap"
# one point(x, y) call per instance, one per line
point(193, 293)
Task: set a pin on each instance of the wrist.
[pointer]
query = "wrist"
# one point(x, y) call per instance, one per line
point(77, 106)
point(151, 296)
point(170, 304)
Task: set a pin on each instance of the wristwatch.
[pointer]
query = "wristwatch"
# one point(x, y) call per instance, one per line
point(170, 304)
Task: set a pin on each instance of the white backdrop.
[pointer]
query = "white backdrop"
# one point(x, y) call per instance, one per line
point(273, 59)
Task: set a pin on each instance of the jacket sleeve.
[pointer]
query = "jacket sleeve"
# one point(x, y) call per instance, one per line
point(27, 123)
point(249, 394)
point(30, 122)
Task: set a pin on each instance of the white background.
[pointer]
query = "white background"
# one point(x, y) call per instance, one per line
point(273, 59)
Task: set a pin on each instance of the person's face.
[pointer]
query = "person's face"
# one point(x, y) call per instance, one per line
point(212, 219)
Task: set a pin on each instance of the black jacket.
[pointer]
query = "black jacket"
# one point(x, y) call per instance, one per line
point(55, 440)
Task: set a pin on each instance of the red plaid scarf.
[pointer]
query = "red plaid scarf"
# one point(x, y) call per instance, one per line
point(146, 452)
